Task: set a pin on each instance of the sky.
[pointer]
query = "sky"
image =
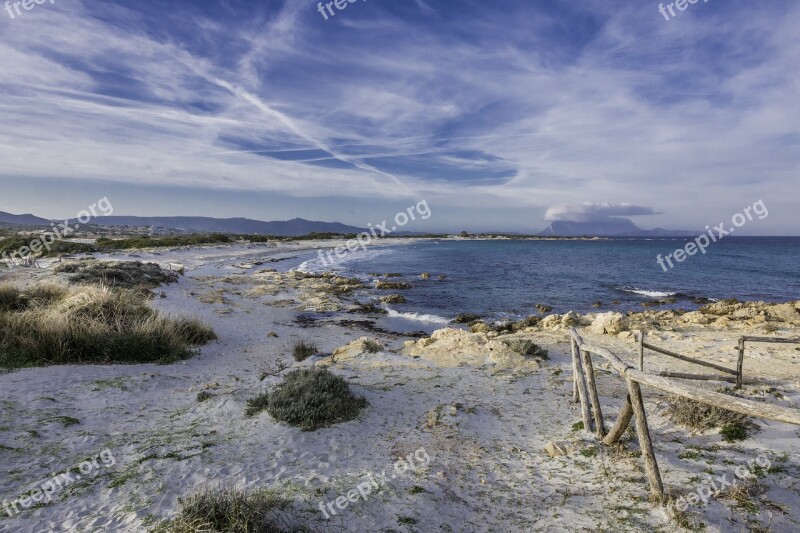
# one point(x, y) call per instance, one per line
point(500, 115)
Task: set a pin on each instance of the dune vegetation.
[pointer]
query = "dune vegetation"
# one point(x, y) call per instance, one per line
point(56, 325)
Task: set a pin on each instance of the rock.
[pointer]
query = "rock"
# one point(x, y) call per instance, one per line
point(550, 321)
point(481, 327)
point(272, 335)
point(425, 275)
point(558, 449)
point(452, 347)
point(695, 317)
point(610, 323)
point(542, 308)
point(466, 318)
point(570, 319)
point(528, 322)
point(442, 277)
point(626, 335)
point(393, 299)
point(784, 312)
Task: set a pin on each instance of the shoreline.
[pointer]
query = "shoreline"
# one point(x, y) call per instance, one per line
point(486, 416)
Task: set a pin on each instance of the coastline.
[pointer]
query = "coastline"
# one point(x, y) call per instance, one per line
point(485, 417)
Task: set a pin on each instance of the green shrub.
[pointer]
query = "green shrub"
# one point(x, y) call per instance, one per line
point(203, 396)
point(303, 350)
point(309, 398)
point(372, 346)
point(228, 510)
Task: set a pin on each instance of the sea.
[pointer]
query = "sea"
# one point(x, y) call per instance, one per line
point(507, 279)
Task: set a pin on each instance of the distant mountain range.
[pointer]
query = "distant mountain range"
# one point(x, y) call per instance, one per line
point(288, 228)
point(613, 227)
point(22, 220)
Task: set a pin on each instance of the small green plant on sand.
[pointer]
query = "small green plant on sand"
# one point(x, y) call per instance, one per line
point(303, 350)
point(309, 398)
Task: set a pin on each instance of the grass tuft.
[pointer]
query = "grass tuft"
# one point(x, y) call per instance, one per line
point(699, 416)
point(303, 350)
point(53, 325)
point(526, 348)
point(230, 510)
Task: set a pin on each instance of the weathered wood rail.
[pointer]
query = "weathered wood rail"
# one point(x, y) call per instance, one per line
point(734, 374)
point(585, 392)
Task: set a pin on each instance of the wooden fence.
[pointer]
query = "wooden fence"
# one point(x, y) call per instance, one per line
point(585, 392)
point(735, 375)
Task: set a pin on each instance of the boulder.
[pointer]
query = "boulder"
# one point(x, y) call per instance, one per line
point(784, 312)
point(550, 321)
point(611, 323)
point(570, 319)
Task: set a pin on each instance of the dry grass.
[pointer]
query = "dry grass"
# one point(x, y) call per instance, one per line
point(228, 510)
point(699, 416)
point(54, 325)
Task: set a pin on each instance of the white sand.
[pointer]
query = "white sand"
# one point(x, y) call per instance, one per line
point(485, 428)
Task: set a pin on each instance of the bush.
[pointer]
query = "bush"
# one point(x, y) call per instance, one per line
point(123, 274)
point(372, 346)
point(303, 350)
point(309, 398)
point(526, 348)
point(228, 510)
point(53, 325)
point(203, 396)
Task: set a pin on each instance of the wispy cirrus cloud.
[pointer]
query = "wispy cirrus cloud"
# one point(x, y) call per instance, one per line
point(472, 105)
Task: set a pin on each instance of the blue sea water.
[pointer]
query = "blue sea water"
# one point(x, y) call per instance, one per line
point(507, 278)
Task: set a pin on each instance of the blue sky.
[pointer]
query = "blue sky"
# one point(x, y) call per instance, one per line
point(493, 112)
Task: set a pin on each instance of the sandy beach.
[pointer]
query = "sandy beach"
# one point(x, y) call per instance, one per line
point(499, 450)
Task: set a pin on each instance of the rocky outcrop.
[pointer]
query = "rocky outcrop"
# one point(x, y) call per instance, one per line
point(611, 323)
point(452, 347)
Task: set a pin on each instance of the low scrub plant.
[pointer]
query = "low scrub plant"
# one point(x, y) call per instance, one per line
point(122, 274)
point(309, 398)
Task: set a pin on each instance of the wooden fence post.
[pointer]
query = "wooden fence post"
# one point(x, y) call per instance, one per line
point(588, 368)
point(580, 379)
point(622, 423)
point(641, 350)
point(740, 364)
point(646, 445)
